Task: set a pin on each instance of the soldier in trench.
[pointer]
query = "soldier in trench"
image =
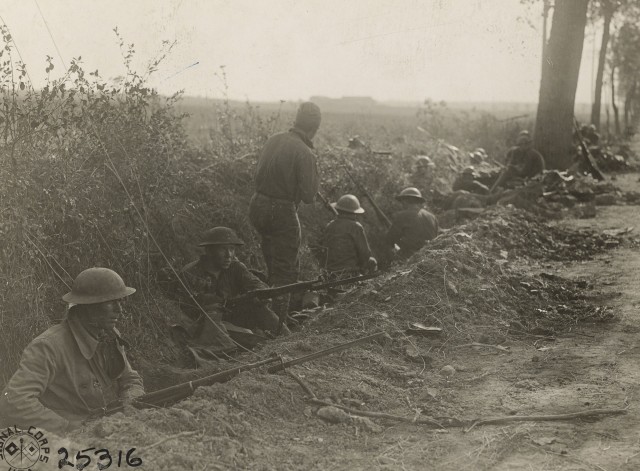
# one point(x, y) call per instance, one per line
point(78, 366)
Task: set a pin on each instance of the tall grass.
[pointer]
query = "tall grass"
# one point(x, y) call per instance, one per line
point(102, 173)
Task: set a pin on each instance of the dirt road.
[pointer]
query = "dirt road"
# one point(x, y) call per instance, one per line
point(592, 367)
point(596, 368)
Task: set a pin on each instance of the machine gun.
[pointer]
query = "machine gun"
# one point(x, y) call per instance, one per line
point(303, 286)
point(170, 395)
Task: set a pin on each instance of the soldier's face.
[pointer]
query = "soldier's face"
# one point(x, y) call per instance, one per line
point(104, 315)
point(221, 255)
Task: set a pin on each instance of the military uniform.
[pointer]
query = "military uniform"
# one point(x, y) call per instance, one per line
point(347, 249)
point(411, 229)
point(210, 290)
point(286, 175)
point(64, 375)
point(524, 162)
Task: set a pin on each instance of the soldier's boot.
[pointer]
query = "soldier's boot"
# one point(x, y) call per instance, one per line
point(281, 307)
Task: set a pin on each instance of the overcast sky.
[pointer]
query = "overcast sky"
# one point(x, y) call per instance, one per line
point(455, 50)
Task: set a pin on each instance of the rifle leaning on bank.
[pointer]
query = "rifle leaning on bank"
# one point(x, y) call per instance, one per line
point(181, 391)
point(301, 287)
point(592, 165)
point(381, 215)
point(327, 205)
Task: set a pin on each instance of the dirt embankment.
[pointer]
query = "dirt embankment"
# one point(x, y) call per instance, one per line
point(505, 281)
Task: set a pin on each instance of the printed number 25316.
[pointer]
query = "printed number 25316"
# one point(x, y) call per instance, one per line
point(102, 456)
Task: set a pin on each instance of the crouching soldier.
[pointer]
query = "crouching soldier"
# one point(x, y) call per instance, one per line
point(412, 227)
point(77, 367)
point(218, 276)
point(347, 249)
point(523, 161)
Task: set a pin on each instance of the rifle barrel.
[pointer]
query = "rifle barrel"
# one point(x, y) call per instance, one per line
point(383, 217)
point(184, 390)
point(276, 291)
point(321, 353)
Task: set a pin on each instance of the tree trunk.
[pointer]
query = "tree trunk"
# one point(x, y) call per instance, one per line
point(554, 120)
point(597, 100)
point(616, 116)
point(628, 107)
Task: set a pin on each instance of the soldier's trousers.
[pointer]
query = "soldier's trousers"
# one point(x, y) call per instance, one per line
point(279, 227)
point(253, 316)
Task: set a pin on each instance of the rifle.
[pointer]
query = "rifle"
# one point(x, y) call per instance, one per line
point(383, 217)
point(326, 204)
point(592, 165)
point(301, 286)
point(181, 391)
point(321, 353)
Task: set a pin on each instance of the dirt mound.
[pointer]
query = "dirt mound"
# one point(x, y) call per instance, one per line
point(523, 234)
point(469, 283)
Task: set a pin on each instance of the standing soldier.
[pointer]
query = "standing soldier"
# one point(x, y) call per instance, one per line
point(286, 175)
point(77, 366)
point(523, 161)
point(412, 227)
point(348, 251)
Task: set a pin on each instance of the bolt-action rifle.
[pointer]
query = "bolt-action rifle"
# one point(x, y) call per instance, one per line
point(302, 286)
point(327, 205)
point(181, 391)
point(592, 165)
point(381, 215)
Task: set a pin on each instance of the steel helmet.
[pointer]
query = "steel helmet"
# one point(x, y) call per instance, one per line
point(348, 204)
point(480, 150)
point(220, 236)
point(424, 161)
point(410, 193)
point(523, 138)
point(468, 170)
point(97, 285)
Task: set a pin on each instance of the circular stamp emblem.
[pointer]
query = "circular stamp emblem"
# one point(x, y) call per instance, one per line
point(23, 449)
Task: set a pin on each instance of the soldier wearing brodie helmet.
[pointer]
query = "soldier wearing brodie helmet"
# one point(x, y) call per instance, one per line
point(412, 227)
point(218, 276)
point(348, 251)
point(77, 366)
point(523, 161)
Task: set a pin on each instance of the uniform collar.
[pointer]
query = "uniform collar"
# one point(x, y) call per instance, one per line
point(202, 263)
point(302, 135)
point(86, 342)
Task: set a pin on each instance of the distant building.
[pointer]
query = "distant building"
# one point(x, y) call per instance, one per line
point(347, 104)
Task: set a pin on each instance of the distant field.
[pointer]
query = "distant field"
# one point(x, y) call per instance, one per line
point(377, 123)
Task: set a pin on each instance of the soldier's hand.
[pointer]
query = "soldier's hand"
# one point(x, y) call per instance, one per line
point(372, 265)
